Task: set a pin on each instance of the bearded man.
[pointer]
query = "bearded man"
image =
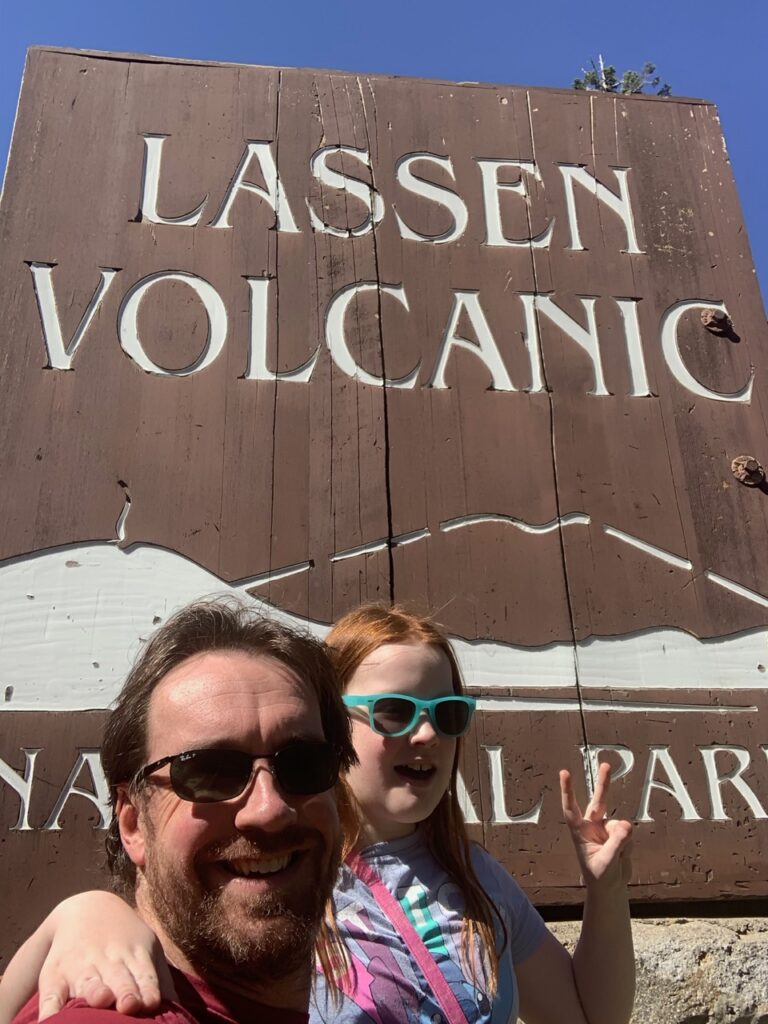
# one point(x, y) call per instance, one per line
point(222, 756)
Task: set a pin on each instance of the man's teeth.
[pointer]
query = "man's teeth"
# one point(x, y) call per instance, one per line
point(419, 766)
point(265, 866)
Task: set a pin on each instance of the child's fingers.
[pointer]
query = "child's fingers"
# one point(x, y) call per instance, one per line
point(598, 805)
point(53, 997)
point(571, 809)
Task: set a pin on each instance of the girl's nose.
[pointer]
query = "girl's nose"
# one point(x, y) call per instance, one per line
point(423, 731)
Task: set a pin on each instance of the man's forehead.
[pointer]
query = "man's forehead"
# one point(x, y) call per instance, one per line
point(234, 693)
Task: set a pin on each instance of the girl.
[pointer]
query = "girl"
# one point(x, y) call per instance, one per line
point(436, 930)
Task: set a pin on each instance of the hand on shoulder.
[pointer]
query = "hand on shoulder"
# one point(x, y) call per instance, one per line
point(91, 947)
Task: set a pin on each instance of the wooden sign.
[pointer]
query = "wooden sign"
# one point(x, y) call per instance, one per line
point(321, 338)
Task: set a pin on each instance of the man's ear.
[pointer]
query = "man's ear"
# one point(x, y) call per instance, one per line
point(131, 824)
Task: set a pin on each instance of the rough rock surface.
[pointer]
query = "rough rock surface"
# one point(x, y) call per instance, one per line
point(695, 971)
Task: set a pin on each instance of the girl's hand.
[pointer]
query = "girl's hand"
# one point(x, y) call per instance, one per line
point(93, 946)
point(602, 844)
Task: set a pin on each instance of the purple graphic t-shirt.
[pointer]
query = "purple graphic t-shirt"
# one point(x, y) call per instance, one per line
point(385, 985)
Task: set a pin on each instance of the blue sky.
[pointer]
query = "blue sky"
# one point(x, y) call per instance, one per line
point(701, 47)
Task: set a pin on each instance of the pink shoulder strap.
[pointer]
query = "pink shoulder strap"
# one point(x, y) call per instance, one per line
point(442, 991)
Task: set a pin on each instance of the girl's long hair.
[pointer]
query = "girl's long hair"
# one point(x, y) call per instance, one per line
point(353, 638)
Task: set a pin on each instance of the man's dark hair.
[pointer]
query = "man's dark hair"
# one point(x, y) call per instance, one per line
point(220, 624)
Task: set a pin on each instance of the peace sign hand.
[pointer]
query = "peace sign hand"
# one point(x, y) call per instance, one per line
point(602, 844)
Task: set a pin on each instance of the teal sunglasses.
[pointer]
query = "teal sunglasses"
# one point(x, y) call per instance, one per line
point(395, 714)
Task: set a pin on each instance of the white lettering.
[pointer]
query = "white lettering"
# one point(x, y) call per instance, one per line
point(60, 354)
point(150, 184)
point(500, 814)
point(367, 195)
point(99, 796)
point(669, 345)
point(660, 755)
point(587, 339)
point(273, 193)
point(336, 339)
point(591, 757)
point(257, 354)
point(484, 348)
point(465, 802)
point(628, 310)
point(435, 193)
point(21, 786)
point(715, 781)
point(532, 342)
point(620, 204)
point(492, 187)
point(127, 322)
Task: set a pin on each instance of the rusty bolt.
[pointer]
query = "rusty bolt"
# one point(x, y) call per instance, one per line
point(748, 470)
point(716, 321)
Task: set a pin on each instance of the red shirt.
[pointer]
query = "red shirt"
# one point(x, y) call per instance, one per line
point(198, 1004)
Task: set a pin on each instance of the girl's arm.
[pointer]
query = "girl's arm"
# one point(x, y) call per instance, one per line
point(93, 946)
point(597, 985)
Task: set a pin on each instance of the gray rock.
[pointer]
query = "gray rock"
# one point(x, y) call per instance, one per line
point(695, 971)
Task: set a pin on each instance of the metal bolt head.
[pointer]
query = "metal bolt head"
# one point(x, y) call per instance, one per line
point(716, 321)
point(748, 470)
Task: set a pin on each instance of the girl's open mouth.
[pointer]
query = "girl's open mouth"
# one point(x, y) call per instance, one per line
point(416, 771)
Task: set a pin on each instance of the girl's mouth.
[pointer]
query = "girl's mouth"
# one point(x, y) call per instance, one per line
point(416, 771)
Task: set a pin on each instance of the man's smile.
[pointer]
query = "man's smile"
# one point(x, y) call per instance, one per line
point(251, 866)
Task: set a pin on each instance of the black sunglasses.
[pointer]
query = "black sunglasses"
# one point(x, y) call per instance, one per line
point(301, 768)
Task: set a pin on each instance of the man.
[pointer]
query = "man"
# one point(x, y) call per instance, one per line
point(222, 756)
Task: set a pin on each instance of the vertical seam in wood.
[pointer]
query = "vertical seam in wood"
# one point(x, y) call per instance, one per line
point(327, 453)
point(558, 510)
point(277, 328)
point(387, 447)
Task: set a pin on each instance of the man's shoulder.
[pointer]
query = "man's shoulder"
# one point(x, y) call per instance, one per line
point(199, 1004)
point(77, 1011)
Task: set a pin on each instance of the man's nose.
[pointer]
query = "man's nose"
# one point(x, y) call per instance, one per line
point(263, 804)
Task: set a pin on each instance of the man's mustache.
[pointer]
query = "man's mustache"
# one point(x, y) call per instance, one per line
point(259, 844)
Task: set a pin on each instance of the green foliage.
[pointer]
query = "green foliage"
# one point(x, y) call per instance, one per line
point(601, 77)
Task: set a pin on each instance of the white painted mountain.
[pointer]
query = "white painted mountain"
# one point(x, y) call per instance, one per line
point(72, 619)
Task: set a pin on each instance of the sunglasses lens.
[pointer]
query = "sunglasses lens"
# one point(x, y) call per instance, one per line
point(205, 776)
point(452, 716)
point(306, 767)
point(392, 715)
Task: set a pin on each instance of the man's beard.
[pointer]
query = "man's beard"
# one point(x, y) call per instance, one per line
point(264, 937)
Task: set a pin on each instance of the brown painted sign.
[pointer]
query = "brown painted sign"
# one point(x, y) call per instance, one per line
point(321, 338)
